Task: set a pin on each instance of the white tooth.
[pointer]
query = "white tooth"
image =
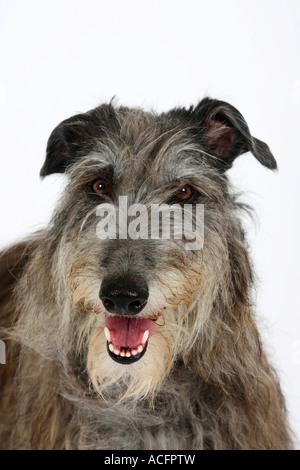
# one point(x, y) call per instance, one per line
point(145, 337)
point(111, 347)
point(107, 334)
point(117, 351)
point(140, 348)
point(128, 354)
point(134, 352)
point(122, 354)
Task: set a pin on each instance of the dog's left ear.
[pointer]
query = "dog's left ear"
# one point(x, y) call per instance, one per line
point(75, 137)
point(224, 134)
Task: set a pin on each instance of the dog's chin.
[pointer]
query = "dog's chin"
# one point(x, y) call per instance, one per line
point(125, 374)
point(126, 356)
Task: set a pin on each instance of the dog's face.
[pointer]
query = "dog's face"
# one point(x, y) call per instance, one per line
point(148, 295)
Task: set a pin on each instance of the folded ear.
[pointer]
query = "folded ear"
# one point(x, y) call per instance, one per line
point(224, 134)
point(75, 137)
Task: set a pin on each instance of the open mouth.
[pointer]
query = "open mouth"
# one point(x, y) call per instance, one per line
point(127, 337)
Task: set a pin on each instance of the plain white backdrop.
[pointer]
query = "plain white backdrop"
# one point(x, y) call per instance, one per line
point(62, 57)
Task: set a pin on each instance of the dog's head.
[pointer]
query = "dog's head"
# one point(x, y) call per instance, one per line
point(149, 291)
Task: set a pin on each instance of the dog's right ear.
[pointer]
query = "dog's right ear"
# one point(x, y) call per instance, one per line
point(75, 137)
point(224, 134)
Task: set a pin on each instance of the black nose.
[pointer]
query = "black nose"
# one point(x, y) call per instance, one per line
point(124, 296)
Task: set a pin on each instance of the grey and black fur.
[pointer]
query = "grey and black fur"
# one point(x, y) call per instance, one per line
point(204, 381)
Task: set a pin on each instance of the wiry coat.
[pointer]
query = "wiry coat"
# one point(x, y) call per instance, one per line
point(204, 382)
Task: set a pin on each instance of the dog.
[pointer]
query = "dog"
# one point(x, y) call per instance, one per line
point(118, 342)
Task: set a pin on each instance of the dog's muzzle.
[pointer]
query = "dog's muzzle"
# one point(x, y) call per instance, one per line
point(127, 335)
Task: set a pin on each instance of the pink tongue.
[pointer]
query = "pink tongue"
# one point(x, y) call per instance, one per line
point(125, 331)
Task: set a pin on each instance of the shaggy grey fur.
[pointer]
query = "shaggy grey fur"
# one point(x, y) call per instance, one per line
point(204, 381)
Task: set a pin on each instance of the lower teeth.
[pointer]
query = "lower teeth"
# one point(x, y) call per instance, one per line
point(126, 351)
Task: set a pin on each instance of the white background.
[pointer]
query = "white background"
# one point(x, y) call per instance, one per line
point(61, 57)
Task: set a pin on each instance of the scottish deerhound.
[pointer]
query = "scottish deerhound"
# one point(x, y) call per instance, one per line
point(137, 342)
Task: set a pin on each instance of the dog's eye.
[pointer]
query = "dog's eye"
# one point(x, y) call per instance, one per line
point(184, 194)
point(101, 186)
